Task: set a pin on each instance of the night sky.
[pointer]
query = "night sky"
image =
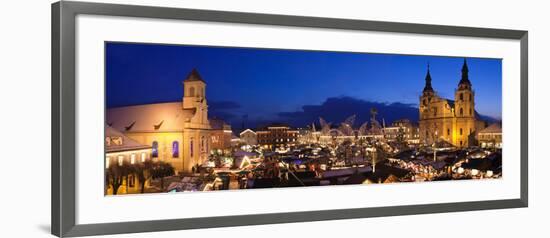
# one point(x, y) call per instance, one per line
point(290, 86)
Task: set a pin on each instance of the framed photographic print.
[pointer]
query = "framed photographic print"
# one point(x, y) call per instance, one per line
point(167, 118)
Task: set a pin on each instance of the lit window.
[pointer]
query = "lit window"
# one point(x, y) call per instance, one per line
point(120, 160)
point(132, 158)
point(155, 150)
point(107, 162)
point(175, 149)
point(143, 157)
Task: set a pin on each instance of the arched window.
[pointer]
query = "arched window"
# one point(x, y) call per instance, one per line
point(460, 131)
point(448, 131)
point(175, 149)
point(192, 92)
point(461, 111)
point(155, 151)
point(469, 97)
point(461, 96)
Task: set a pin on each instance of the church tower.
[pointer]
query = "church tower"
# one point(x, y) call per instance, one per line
point(194, 97)
point(464, 111)
point(427, 95)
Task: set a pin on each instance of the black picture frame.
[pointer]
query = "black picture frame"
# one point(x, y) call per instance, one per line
point(64, 133)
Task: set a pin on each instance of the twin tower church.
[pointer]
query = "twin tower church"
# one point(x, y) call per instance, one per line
point(453, 121)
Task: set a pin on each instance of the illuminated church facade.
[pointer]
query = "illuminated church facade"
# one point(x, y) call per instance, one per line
point(453, 121)
point(177, 132)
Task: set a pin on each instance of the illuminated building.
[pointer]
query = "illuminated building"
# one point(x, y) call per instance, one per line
point(490, 137)
point(403, 130)
point(220, 134)
point(453, 121)
point(249, 137)
point(275, 136)
point(121, 149)
point(177, 132)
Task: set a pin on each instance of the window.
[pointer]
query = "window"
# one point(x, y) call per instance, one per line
point(469, 97)
point(461, 97)
point(155, 151)
point(143, 157)
point(470, 111)
point(175, 149)
point(120, 160)
point(107, 162)
point(460, 131)
point(448, 131)
point(461, 111)
point(192, 92)
point(203, 147)
point(132, 158)
point(460, 143)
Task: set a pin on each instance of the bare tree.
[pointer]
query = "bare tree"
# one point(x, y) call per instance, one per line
point(160, 170)
point(116, 173)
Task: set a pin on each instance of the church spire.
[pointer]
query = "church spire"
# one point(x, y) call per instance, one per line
point(465, 80)
point(428, 86)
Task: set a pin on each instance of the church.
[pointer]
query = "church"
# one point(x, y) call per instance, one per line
point(177, 132)
point(453, 121)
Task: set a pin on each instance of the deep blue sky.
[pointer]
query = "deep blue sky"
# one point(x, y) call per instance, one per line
point(273, 85)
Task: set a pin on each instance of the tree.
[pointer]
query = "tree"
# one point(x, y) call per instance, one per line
point(116, 173)
point(143, 173)
point(160, 170)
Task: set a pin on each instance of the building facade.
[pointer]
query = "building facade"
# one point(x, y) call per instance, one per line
point(221, 134)
point(120, 149)
point(276, 136)
point(249, 137)
point(403, 130)
point(178, 132)
point(490, 137)
point(453, 121)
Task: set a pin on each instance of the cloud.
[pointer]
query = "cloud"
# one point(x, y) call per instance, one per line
point(337, 109)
